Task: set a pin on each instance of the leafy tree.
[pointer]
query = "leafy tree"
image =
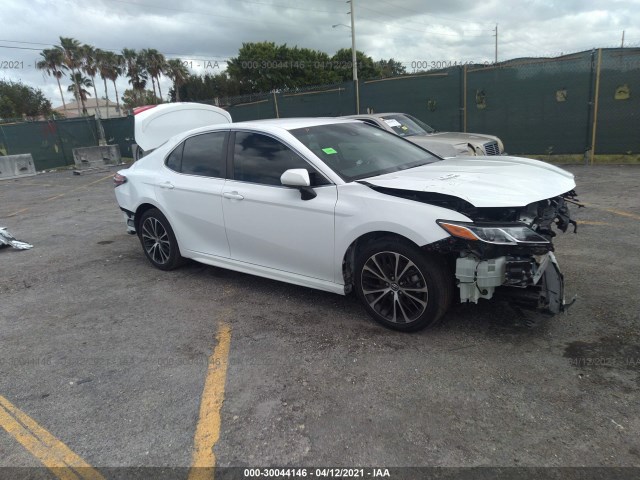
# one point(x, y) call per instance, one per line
point(18, 100)
point(206, 87)
point(391, 68)
point(343, 66)
point(178, 73)
point(132, 98)
point(265, 66)
point(53, 64)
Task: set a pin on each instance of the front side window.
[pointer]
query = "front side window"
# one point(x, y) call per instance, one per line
point(406, 125)
point(261, 159)
point(201, 155)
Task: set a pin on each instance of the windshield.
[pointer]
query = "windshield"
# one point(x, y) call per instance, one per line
point(356, 150)
point(405, 125)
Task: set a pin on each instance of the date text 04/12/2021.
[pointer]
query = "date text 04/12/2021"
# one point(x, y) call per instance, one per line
point(316, 472)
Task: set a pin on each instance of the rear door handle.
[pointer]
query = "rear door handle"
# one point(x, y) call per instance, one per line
point(168, 185)
point(233, 195)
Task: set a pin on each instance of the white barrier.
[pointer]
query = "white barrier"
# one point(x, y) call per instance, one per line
point(15, 166)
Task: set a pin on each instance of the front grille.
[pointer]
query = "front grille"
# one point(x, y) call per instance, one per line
point(491, 148)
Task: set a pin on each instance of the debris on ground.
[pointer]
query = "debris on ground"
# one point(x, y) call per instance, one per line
point(8, 240)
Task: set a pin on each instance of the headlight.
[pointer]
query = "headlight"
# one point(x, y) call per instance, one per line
point(498, 234)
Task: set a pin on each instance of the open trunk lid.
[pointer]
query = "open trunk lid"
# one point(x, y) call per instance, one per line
point(155, 124)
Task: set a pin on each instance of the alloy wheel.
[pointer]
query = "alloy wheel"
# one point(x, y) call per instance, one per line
point(394, 287)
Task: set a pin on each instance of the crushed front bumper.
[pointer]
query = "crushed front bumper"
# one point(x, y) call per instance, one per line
point(531, 281)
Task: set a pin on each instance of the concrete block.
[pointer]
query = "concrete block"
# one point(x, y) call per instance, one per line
point(15, 166)
point(96, 157)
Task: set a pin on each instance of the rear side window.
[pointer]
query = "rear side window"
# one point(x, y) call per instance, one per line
point(202, 155)
point(261, 159)
point(175, 158)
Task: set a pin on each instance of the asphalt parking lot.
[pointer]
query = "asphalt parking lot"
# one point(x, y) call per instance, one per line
point(111, 356)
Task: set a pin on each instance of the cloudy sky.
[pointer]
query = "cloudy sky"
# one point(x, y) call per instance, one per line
point(205, 32)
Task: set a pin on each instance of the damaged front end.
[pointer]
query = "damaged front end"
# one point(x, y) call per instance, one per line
point(511, 248)
point(506, 247)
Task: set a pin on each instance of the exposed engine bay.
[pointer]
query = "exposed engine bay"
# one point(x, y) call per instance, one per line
point(504, 247)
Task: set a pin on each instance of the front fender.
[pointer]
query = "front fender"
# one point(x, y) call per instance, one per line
point(361, 210)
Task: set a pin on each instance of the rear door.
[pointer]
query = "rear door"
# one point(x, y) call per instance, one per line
point(189, 188)
point(267, 223)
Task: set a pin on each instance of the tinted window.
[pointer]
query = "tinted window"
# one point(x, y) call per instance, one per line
point(204, 155)
point(175, 158)
point(261, 159)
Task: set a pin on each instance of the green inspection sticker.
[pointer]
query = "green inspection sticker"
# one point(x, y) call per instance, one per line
point(329, 151)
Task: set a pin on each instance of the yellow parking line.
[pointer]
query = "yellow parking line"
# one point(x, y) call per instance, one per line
point(208, 426)
point(17, 212)
point(53, 454)
point(589, 222)
point(622, 213)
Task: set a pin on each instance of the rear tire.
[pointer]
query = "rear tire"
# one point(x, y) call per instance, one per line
point(158, 240)
point(401, 286)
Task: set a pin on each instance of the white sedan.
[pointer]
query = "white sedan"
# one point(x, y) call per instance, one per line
point(342, 206)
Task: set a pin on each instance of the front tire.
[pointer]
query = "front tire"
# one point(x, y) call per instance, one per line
point(402, 287)
point(158, 240)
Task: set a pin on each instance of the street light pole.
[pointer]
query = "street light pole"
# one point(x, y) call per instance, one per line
point(353, 56)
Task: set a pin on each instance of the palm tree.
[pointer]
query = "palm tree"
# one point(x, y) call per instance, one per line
point(90, 67)
point(178, 73)
point(102, 63)
point(110, 68)
point(53, 64)
point(155, 64)
point(136, 71)
point(72, 59)
point(78, 90)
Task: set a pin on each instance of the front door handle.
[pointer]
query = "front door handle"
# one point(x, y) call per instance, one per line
point(233, 195)
point(168, 185)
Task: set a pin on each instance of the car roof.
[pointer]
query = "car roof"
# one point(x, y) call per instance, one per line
point(272, 125)
point(292, 123)
point(373, 115)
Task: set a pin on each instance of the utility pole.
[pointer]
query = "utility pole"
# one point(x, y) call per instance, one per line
point(622, 44)
point(496, 35)
point(353, 56)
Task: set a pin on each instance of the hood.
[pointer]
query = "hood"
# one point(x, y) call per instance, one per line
point(484, 181)
point(441, 148)
point(463, 137)
point(154, 125)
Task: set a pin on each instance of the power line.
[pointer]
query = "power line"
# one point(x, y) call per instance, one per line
point(414, 29)
point(457, 21)
point(450, 19)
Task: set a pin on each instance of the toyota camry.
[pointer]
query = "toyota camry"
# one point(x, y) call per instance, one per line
point(342, 206)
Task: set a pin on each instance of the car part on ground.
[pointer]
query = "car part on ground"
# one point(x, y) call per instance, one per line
point(338, 205)
point(8, 240)
point(418, 132)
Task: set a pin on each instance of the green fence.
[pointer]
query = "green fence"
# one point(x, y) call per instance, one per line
point(535, 105)
point(119, 131)
point(51, 143)
point(587, 101)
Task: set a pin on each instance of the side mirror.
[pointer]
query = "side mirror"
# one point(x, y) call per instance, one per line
point(299, 178)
